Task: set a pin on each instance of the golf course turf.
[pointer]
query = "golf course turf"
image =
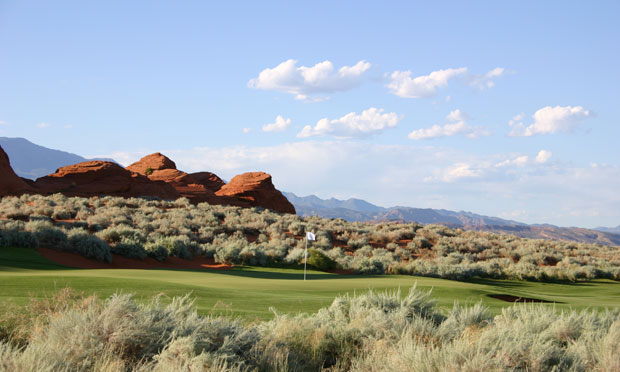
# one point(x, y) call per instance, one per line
point(250, 292)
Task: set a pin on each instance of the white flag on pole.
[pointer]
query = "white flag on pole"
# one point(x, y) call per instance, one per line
point(310, 236)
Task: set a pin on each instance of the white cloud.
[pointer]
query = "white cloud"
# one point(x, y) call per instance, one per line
point(67, 126)
point(43, 125)
point(486, 80)
point(278, 126)
point(3, 123)
point(519, 161)
point(303, 81)
point(369, 122)
point(457, 125)
point(550, 120)
point(543, 156)
point(246, 130)
point(403, 85)
point(458, 171)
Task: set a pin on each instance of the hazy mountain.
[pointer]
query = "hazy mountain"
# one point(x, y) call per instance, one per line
point(352, 204)
point(360, 210)
point(613, 230)
point(32, 161)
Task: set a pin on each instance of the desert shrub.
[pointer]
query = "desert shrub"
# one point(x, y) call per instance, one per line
point(369, 332)
point(130, 248)
point(180, 246)
point(252, 255)
point(367, 265)
point(48, 235)
point(60, 213)
point(89, 246)
point(115, 234)
point(156, 251)
point(294, 256)
point(422, 242)
point(320, 260)
point(16, 238)
point(229, 252)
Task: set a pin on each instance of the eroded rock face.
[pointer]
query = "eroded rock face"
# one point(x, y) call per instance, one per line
point(102, 178)
point(10, 183)
point(209, 180)
point(154, 162)
point(257, 188)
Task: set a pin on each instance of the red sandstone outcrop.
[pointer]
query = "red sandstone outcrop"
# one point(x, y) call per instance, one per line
point(102, 178)
point(257, 188)
point(10, 183)
point(209, 180)
point(154, 162)
point(154, 175)
point(158, 167)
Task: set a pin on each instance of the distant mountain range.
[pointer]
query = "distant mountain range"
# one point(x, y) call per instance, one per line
point(361, 210)
point(32, 161)
point(613, 230)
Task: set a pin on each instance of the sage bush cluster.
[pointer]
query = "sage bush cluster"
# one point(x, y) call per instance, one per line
point(138, 228)
point(374, 332)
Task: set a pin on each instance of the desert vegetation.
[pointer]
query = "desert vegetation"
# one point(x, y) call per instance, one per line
point(99, 227)
point(377, 331)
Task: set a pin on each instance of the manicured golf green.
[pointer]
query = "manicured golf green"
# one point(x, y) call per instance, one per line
point(250, 292)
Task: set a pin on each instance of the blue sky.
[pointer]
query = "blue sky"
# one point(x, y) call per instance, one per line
point(398, 103)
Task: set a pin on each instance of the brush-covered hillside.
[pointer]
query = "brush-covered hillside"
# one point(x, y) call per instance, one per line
point(108, 227)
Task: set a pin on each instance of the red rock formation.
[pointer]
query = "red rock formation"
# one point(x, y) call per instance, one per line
point(257, 188)
point(209, 180)
point(156, 161)
point(102, 178)
point(163, 180)
point(158, 167)
point(10, 183)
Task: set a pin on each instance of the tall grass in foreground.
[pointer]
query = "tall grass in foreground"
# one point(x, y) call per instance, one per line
point(377, 331)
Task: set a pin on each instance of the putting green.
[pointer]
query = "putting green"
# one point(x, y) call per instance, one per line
point(249, 292)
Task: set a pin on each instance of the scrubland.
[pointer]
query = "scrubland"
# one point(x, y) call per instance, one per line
point(377, 331)
point(140, 228)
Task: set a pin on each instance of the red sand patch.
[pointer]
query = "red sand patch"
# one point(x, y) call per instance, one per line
point(120, 262)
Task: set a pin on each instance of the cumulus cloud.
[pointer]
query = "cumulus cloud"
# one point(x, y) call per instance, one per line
point(303, 81)
point(278, 126)
point(456, 125)
point(550, 120)
point(543, 156)
point(403, 85)
point(43, 125)
point(246, 130)
point(369, 122)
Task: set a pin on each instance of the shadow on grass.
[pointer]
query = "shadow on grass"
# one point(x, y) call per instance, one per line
point(524, 283)
point(16, 259)
point(260, 274)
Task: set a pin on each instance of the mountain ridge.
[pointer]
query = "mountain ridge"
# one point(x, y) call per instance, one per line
point(32, 161)
point(333, 208)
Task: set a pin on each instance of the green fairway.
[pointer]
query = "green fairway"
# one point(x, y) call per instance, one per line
point(250, 292)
